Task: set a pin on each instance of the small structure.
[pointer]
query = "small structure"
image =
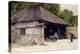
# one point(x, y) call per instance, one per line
point(35, 24)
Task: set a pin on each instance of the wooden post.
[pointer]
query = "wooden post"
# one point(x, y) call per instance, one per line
point(58, 32)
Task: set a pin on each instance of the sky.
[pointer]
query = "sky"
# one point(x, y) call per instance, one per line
point(73, 8)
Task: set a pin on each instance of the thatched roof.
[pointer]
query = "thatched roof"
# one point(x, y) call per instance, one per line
point(34, 13)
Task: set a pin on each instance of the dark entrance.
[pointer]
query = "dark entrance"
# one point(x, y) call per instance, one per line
point(50, 30)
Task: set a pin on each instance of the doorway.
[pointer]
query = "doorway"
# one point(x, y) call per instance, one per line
point(49, 31)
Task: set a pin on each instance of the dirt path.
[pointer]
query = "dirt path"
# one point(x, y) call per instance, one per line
point(58, 45)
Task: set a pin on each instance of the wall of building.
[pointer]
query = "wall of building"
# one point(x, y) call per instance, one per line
point(33, 33)
point(32, 36)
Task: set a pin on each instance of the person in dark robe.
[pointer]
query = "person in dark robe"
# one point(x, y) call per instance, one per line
point(71, 36)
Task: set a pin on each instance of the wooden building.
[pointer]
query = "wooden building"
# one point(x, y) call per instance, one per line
point(35, 24)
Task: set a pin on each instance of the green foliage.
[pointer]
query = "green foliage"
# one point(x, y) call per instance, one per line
point(75, 20)
point(69, 17)
point(54, 8)
point(66, 15)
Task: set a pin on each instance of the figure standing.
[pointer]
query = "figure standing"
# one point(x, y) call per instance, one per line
point(71, 36)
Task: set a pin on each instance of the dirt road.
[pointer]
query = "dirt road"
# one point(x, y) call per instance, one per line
point(57, 45)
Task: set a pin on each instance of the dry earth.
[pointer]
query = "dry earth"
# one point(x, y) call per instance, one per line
point(57, 45)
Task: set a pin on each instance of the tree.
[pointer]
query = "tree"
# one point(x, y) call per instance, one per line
point(53, 8)
point(75, 20)
point(66, 15)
